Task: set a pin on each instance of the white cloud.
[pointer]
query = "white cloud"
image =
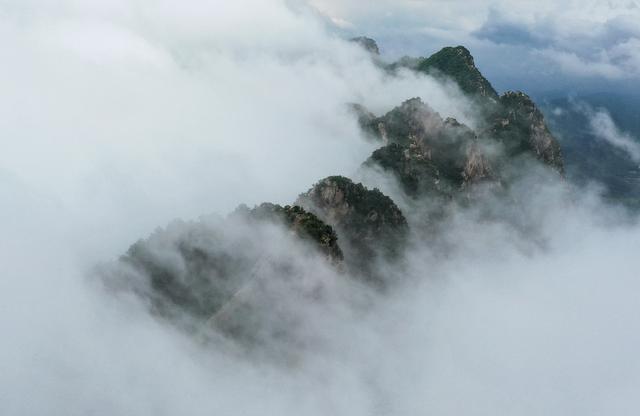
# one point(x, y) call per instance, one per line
point(118, 116)
point(605, 128)
point(164, 95)
point(571, 63)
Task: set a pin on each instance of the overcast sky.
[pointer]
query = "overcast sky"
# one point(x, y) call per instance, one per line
point(535, 45)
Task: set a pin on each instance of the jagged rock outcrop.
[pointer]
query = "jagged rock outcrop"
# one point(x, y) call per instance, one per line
point(415, 171)
point(413, 119)
point(458, 64)
point(432, 156)
point(367, 44)
point(477, 166)
point(520, 127)
point(428, 155)
point(369, 224)
point(362, 214)
point(455, 63)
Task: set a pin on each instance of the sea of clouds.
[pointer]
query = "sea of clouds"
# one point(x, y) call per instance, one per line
point(119, 116)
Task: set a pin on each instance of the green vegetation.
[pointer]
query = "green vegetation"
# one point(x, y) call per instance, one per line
point(406, 121)
point(368, 222)
point(305, 224)
point(427, 154)
point(365, 210)
point(458, 64)
point(417, 175)
point(431, 156)
point(519, 126)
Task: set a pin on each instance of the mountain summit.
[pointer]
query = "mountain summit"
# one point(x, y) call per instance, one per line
point(458, 64)
point(432, 156)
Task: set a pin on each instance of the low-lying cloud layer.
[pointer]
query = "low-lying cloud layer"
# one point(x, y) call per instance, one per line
point(120, 116)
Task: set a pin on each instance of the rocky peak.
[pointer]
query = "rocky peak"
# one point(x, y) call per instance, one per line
point(411, 165)
point(455, 151)
point(425, 152)
point(412, 120)
point(369, 224)
point(458, 64)
point(519, 125)
point(365, 213)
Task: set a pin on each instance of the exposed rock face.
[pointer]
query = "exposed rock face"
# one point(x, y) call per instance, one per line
point(520, 127)
point(368, 222)
point(433, 156)
point(413, 168)
point(363, 213)
point(367, 44)
point(513, 118)
point(412, 120)
point(458, 64)
point(427, 154)
point(477, 166)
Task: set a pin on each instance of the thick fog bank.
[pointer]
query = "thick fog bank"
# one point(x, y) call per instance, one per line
point(529, 324)
point(121, 116)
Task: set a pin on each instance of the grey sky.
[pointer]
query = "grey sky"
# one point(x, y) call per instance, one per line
point(525, 44)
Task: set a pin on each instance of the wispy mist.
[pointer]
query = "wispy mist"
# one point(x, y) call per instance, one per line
point(605, 129)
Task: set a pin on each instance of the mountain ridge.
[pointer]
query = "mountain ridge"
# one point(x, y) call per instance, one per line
point(211, 272)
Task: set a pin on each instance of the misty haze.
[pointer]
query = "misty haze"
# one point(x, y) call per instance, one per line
point(320, 207)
